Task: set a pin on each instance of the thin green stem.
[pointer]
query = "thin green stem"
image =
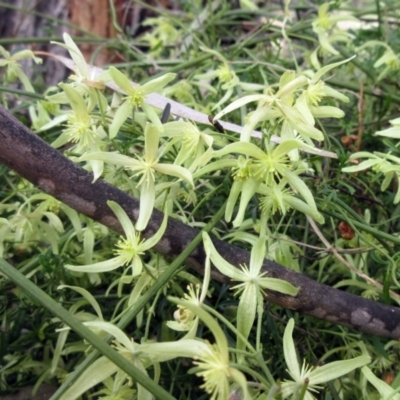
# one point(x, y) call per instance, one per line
point(254, 374)
point(19, 92)
point(230, 326)
point(56, 309)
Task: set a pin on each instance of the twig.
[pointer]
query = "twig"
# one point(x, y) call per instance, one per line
point(336, 254)
point(360, 116)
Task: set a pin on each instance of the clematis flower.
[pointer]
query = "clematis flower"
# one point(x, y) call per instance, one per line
point(129, 248)
point(81, 127)
point(13, 68)
point(297, 117)
point(309, 377)
point(226, 77)
point(136, 98)
point(387, 164)
point(212, 360)
point(26, 226)
point(390, 60)
point(258, 169)
point(162, 35)
point(88, 81)
point(13, 71)
point(251, 286)
point(272, 106)
point(325, 26)
point(195, 146)
point(145, 167)
point(277, 197)
point(185, 319)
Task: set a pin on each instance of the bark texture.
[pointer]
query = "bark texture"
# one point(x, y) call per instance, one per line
point(36, 19)
point(48, 169)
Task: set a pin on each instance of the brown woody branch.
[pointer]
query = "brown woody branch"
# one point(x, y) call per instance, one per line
point(48, 169)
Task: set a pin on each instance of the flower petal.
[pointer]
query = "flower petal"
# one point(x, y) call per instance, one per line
point(246, 312)
point(103, 266)
point(289, 352)
point(221, 264)
point(175, 170)
point(335, 369)
point(121, 115)
point(123, 219)
point(155, 85)
point(147, 197)
point(122, 81)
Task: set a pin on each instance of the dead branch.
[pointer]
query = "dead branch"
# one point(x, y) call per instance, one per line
point(24, 152)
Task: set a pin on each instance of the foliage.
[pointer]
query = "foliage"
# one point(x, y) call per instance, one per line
point(293, 81)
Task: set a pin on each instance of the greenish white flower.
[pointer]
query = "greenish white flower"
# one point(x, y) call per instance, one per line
point(308, 377)
point(390, 60)
point(227, 79)
point(129, 249)
point(88, 81)
point(195, 147)
point(258, 172)
point(136, 98)
point(295, 105)
point(325, 26)
point(277, 197)
point(35, 220)
point(146, 169)
point(212, 360)
point(162, 35)
point(387, 164)
point(80, 127)
point(13, 68)
point(185, 319)
point(252, 284)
